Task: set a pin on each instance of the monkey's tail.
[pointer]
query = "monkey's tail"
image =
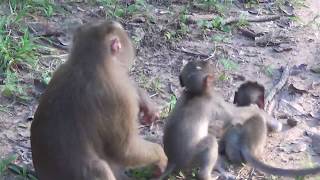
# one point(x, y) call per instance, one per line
point(168, 171)
point(20, 170)
point(274, 170)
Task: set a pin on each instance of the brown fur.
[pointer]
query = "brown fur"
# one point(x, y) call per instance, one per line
point(85, 126)
point(250, 93)
point(197, 106)
point(186, 139)
point(245, 143)
point(253, 93)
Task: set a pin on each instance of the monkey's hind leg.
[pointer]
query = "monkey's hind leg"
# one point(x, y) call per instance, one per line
point(99, 170)
point(206, 156)
point(141, 152)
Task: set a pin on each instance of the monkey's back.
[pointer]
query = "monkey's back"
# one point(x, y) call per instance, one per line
point(186, 125)
point(254, 134)
point(80, 112)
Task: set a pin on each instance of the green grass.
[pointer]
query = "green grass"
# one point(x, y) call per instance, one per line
point(168, 108)
point(228, 64)
point(242, 22)
point(39, 7)
point(220, 38)
point(18, 50)
point(144, 173)
point(268, 70)
point(216, 23)
point(5, 162)
point(216, 5)
point(120, 10)
point(155, 85)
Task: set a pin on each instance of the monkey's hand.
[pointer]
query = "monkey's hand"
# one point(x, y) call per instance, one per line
point(148, 110)
point(150, 113)
point(156, 173)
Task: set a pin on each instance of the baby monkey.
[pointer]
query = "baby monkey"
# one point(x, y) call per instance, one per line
point(249, 93)
point(253, 93)
point(245, 142)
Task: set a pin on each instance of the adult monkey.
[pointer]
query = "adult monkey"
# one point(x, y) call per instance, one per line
point(85, 126)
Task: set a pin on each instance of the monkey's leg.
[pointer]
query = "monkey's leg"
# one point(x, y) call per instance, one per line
point(99, 170)
point(232, 145)
point(141, 153)
point(206, 156)
point(274, 125)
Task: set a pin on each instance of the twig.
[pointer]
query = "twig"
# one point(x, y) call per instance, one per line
point(200, 17)
point(56, 45)
point(194, 53)
point(252, 19)
point(277, 87)
point(207, 17)
point(60, 56)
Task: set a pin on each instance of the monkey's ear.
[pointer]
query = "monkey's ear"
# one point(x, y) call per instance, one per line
point(115, 45)
point(181, 82)
point(208, 80)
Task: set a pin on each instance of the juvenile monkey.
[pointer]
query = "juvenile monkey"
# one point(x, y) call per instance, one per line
point(245, 143)
point(186, 139)
point(253, 93)
point(249, 93)
point(188, 123)
point(85, 126)
point(253, 133)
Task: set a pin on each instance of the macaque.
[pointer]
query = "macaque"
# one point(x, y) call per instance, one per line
point(85, 126)
point(186, 139)
point(249, 93)
point(245, 143)
point(253, 93)
point(192, 75)
point(187, 125)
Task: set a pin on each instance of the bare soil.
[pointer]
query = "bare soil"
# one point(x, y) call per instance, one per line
point(159, 61)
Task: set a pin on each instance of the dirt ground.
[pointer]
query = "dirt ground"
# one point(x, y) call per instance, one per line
point(286, 42)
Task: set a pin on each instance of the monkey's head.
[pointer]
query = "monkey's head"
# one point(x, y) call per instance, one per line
point(250, 93)
point(103, 41)
point(197, 77)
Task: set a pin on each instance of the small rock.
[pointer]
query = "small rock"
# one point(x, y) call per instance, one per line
point(308, 133)
point(299, 147)
point(253, 11)
point(292, 122)
point(282, 47)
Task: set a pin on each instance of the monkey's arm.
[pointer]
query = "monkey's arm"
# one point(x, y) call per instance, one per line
point(149, 109)
point(241, 114)
point(232, 114)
